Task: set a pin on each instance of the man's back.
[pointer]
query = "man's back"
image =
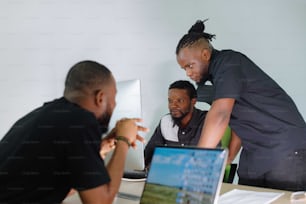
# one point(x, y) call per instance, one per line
point(36, 154)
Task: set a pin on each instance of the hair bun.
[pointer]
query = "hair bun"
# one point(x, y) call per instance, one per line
point(198, 27)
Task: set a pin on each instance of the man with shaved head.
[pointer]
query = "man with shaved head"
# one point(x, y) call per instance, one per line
point(57, 147)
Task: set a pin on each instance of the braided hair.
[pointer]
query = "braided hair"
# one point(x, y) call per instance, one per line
point(195, 33)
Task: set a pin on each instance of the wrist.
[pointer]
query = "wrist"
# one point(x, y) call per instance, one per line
point(123, 139)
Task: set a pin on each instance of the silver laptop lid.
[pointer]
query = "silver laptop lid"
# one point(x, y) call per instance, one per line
point(128, 101)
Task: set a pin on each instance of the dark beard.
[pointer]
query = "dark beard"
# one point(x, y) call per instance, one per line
point(205, 78)
point(104, 122)
point(178, 120)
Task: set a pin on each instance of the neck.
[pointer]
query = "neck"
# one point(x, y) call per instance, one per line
point(81, 100)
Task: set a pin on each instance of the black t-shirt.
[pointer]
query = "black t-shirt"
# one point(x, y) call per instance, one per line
point(49, 151)
point(264, 116)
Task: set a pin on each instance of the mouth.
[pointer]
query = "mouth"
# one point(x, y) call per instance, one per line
point(193, 78)
point(175, 112)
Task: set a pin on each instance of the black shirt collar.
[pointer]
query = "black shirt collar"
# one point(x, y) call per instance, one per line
point(194, 119)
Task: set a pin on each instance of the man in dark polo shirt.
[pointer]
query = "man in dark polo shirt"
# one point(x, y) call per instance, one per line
point(57, 146)
point(181, 125)
point(259, 111)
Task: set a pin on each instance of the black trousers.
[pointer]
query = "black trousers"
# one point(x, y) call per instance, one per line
point(288, 174)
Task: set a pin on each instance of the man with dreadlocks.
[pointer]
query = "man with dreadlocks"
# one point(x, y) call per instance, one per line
point(259, 111)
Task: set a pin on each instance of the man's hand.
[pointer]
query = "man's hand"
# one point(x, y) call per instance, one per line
point(129, 128)
point(107, 145)
point(125, 127)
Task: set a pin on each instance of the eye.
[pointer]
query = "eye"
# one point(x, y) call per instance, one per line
point(180, 100)
point(189, 66)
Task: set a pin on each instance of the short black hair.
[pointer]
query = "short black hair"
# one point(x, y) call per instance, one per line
point(86, 75)
point(186, 85)
point(195, 33)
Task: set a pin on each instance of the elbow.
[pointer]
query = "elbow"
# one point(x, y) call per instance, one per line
point(222, 109)
point(220, 117)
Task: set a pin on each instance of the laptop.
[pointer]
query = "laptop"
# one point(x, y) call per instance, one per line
point(184, 175)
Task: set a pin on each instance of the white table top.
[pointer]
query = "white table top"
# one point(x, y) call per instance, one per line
point(135, 188)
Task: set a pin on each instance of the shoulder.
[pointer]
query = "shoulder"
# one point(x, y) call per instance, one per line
point(225, 56)
point(63, 112)
point(200, 114)
point(166, 120)
point(227, 63)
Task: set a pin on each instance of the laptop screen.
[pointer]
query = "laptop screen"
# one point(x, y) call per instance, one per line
point(184, 175)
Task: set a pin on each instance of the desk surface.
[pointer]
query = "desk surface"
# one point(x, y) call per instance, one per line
point(135, 188)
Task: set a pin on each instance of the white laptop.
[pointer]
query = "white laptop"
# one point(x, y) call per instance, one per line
point(184, 175)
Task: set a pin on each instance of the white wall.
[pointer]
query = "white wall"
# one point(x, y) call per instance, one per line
point(41, 39)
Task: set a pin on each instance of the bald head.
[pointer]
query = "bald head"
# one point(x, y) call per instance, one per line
point(85, 78)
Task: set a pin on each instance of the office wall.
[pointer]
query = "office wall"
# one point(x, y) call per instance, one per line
point(41, 39)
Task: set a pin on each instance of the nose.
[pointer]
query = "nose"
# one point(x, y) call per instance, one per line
point(172, 104)
point(188, 72)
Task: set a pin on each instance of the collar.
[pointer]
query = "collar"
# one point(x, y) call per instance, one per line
point(192, 121)
point(213, 57)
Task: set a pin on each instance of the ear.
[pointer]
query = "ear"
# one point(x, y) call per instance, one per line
point(99, 98)
point(193, 101)
point(205, 55)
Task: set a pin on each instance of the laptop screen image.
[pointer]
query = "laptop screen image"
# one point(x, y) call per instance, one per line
point(184, 175)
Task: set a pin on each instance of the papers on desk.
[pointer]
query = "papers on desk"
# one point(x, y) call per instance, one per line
point(251, 197)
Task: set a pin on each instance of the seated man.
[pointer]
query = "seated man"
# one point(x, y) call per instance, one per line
point(182, 126)
point(56, 147)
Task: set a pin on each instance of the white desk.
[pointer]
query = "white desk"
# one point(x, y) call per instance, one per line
point(129, 187)
point(136, 188)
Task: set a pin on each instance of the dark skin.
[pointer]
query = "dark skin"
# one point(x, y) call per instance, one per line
point(180, 105)
point(195, 61)
point(102, 104)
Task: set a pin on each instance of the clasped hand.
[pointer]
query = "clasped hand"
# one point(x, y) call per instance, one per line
point(126, 127)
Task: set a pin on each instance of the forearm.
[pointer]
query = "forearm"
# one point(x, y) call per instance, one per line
point(213, 129)
point(115, 166)
point(106, 193)
point(216, 122)
point(234, 147)
point(126, 132)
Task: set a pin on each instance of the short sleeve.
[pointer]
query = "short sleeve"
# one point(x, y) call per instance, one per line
point(229, 79)
point(84, 164)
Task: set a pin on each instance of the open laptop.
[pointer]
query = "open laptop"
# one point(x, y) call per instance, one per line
point(184, 175)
